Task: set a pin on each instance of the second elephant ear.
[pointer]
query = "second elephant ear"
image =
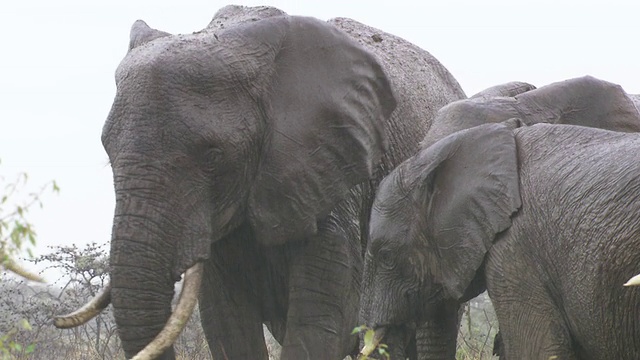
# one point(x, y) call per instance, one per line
point(472, 189)
point(326, 104)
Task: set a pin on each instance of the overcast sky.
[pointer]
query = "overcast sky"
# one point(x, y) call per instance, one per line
point(58, 58)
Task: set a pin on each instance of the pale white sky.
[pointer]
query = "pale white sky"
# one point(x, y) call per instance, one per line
point(58, 58)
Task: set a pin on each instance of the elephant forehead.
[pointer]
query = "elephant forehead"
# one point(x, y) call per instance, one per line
point(171, 55)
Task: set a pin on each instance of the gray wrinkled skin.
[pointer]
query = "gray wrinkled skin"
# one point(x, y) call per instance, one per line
point(510, 89)
point(636, 100)
point(583, 101)
point(543, 217)
point(255, 146)
point(419, 81)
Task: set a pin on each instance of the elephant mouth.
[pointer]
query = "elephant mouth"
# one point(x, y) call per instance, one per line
point(402, 334)
point(370, 346)
point(174, 326)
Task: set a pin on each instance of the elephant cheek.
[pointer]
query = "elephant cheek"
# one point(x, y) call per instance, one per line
point(224, 220)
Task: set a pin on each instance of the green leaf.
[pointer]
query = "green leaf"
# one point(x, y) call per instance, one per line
point(24, 323)
point(368, 337)
point(358, 329)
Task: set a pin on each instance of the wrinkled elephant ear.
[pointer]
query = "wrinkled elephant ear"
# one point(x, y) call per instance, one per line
point(141, 34)
point(326, 104)
point(472, 191)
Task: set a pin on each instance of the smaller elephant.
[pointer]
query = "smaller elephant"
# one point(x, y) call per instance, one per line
point(544, 217)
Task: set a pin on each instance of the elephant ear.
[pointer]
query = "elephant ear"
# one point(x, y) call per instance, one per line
point(326, 105)
point(472, 189)
point(141, 34)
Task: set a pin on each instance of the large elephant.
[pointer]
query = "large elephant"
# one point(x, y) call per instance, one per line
point(582, 101)
point(249, 153)
point(543, 216)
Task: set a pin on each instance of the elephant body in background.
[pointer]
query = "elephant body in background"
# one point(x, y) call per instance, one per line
point(255, 147)
point(544, 217)
point(584, 101)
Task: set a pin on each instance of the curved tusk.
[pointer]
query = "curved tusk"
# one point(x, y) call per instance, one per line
point(19, 270)
point(634, 281)
point(87, 312)
point(369, 348)
point(179, 318)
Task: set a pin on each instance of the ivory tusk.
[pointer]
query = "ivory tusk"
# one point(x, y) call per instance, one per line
point(369, 348)
point(634, 281)
point(178, 319)
point(12, 266)
point(85, 313)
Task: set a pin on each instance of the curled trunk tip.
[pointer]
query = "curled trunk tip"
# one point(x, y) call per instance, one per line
point(179, 318)
point(85, 313)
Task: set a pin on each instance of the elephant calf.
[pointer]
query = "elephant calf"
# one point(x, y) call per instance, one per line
point(545, 217)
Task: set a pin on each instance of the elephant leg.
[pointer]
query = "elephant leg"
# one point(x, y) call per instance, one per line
point(531, 324)
point(324, 291)
point(230, 300)
point(532, 335)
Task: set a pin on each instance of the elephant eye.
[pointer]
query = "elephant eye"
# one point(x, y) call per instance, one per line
point(213, 153)
point(385, 258)
point(211, 159)
point(212, 156)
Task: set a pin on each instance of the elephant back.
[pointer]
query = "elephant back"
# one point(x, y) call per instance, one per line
point(421, 84)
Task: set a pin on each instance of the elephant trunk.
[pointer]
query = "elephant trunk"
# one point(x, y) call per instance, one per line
point(141, 301)
point(179, 318)
point(436, 338)
point(161, 228)
point(142, 283)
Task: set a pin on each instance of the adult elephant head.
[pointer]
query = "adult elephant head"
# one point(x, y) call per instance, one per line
point(246, 147)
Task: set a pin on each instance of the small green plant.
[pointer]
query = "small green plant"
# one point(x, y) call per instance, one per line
point(370, 343)
point(17, 235)
point(8, 346)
